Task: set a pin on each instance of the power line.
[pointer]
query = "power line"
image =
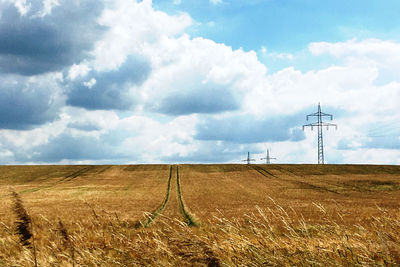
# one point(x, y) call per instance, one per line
point(319, 114)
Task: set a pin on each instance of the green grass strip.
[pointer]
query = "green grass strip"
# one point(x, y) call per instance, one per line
point(188, 217)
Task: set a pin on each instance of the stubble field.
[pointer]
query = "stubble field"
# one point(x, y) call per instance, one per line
point(201, 215)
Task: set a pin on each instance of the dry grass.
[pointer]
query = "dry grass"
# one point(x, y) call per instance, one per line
point(281, 215)
point(237, 189)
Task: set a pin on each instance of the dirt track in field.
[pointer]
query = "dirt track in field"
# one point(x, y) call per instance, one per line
point(193, 193)
point(174, 206)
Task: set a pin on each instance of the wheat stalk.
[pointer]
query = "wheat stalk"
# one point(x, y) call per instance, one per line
point(24, 226)
point(67, 240)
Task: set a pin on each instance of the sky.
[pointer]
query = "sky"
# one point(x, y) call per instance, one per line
point(198, 81)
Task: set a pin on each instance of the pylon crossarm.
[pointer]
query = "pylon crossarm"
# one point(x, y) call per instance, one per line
point(322, 114)
point(329, 124)
point(311, 125)
point(327, 115)
point(313, 114)
point(316, 124)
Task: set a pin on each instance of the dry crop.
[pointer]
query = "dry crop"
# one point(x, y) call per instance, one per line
point(203, 215)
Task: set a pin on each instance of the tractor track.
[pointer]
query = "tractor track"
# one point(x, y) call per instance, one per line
point(66, 178)
point(264, 172)
point(311, 186)
point(150, 219)
point(186, 214)
point(77, 173)
point(183, 210)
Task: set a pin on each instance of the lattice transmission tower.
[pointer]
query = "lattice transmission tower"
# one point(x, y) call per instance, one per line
point(267, 158)
point(319, 114)
point(248, 160)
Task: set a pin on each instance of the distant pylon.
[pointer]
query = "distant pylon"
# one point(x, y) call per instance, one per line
point(268, 158)
point(248, 160)
point(320, 124)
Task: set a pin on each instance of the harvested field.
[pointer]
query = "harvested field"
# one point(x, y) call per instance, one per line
point(127, 191)
point(201, 215)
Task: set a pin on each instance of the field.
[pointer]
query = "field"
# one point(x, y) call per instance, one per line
point(201, 215)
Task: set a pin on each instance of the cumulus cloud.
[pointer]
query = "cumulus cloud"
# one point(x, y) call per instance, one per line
point(214, 152)
point(199, 76)
point(34, 42)
point(380, 142)
point(380, 49)
point(248, 129)
point(108, 89)
point(275, 55)
point(154, 140)
point(134, 27)
point(136, 88)
point(289, 90)
point(112, 79)
point(75, 126)
point(26, 103)
point(73, 148)
point(198, 98)
point(384, 54)
point(85, 126)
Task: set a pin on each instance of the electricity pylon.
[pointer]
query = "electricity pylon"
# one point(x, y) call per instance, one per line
point(268, 158)
point(320, 124)
point(248, 160)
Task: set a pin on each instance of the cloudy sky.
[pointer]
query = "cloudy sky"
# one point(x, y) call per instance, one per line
point(175, 81)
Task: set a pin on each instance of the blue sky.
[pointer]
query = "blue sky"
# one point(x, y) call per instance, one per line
point(288, 25)
point(169, 81)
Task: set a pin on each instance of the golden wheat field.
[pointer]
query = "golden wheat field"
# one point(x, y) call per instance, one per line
point(200, 215)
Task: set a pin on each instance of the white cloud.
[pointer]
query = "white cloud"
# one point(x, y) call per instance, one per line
point(282, 56)
point(104, 120)
point(216, 2)
point(133, 26)
point(154, 140)
point(372, 156)
point(90, 83)
point(76, 71)
point(375, 48)
point(22, 6)
point(384, 54)
point(346, 87)
point(275, 55)
point(191, 66)
point(190, 76)
point(48, 5)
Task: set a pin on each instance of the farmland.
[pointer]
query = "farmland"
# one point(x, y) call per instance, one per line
point(199, 215)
